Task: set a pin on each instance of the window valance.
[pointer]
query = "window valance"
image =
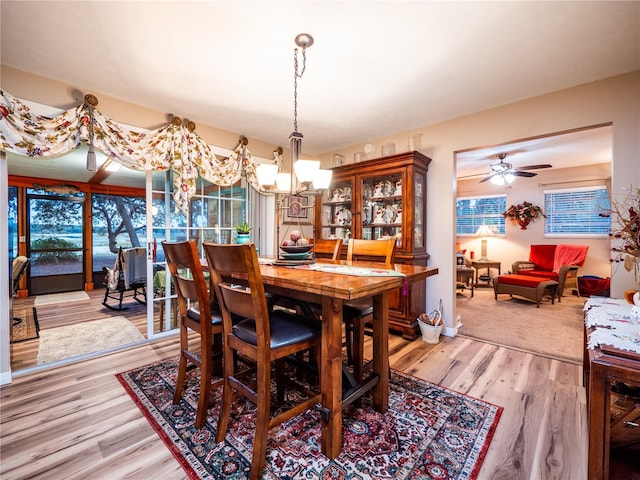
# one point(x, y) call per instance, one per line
point(174, 146)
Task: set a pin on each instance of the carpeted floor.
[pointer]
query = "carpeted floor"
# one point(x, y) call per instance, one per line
point(88, 337)
point(54, 298)
point(428, 432)
point(554, 331)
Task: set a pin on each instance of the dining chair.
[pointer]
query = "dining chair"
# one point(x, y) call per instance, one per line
point(263, 336)
point(358, 313)
point(199, 314)
point(327, 248)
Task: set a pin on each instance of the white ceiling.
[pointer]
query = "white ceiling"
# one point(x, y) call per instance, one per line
point(376, 68)
point(569, 149)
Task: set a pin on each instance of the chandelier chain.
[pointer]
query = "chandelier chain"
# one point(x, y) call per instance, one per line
point(297, 75)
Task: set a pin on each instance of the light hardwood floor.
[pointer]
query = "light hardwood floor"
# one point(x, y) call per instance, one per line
point(77, 422)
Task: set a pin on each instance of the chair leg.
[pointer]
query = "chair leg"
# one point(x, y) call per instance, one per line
point(348, 333)
point(262, 421)
point(229, 365)
point(205, 388)
point(358, 348)
point(280, 379)
point(182, 367)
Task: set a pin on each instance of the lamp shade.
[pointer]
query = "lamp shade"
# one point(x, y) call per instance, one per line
point(283, 182)
point(484, 231)
point(497, 179)
point(306, 170)
point(323, 179)
point(267, 174)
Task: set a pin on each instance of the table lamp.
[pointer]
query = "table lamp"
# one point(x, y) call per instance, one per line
point(484, 231)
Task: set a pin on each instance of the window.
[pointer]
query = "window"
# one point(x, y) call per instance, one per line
point(117, 221)
point(577, 211)
point(472, 212)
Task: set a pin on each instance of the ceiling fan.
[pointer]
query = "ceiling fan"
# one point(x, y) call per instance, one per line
point(504, 172)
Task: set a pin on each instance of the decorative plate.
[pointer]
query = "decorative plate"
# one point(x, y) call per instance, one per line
point(296, 248)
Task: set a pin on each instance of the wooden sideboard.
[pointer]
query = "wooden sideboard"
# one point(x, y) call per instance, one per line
point(602, 366)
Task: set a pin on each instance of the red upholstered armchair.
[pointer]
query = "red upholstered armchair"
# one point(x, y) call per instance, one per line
point(555, 262)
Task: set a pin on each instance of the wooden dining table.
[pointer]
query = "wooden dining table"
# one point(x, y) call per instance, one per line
point(331, 290)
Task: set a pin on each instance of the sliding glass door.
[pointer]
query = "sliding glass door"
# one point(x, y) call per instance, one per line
point(55, 242)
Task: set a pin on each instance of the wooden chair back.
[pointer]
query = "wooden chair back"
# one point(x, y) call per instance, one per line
point(227, 263)
point(329, 249)
point(186, 271)
point(371, 250)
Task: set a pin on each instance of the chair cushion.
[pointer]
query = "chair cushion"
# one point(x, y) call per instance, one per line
point(542, 256)
point(216, 317)
point(521, 280)
point(286, 329)
point(540, 274)
point(358, 308)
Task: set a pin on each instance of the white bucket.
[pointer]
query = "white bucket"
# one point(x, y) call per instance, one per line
point(430, 334)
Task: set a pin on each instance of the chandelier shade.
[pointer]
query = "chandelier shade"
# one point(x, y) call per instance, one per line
point(307, 173)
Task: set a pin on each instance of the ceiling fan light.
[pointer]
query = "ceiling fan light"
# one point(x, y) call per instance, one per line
point(497, 180)
point(509, 177)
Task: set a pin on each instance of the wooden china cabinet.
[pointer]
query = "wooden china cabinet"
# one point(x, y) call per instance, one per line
point(384, 197)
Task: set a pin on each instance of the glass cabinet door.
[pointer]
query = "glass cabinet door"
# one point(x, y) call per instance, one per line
point(381, 214)
point(337, 211)
point(419, 190)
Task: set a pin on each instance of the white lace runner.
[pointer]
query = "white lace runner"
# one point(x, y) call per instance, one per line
point(615, 322)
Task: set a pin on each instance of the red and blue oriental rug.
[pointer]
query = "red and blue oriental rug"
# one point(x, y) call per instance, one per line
point(428, 432)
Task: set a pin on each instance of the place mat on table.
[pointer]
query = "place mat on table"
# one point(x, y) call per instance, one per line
point(352, 270)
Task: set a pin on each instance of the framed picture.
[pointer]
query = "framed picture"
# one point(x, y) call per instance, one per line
point(297, 210)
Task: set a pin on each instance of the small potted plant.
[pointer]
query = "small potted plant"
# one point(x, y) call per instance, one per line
point(243, 229)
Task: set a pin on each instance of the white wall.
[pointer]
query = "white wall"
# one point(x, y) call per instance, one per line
point(614, 100)
point(5, 358)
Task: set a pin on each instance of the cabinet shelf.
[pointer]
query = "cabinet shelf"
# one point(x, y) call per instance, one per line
point(391, 199)
point(382, 225)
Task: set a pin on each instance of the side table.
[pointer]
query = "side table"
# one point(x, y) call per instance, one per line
point(464, 278)
point(488, 264)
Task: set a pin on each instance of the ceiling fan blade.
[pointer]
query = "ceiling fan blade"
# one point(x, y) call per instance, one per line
point(487, 178)
point(475, 175)
point(535, 167)
point(519, 173)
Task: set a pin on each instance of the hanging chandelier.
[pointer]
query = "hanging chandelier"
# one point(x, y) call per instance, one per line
point(310, 178)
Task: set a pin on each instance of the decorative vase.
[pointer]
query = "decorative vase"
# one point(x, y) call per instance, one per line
point(523, 222)
point(243, 238)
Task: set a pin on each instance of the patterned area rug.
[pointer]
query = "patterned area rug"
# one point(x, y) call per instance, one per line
point(24, 325)
point(429, 432)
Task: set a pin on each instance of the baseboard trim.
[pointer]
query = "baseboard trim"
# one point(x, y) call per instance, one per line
point(5, 378)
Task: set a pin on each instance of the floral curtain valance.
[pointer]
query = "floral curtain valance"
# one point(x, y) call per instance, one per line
point(173, 146)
